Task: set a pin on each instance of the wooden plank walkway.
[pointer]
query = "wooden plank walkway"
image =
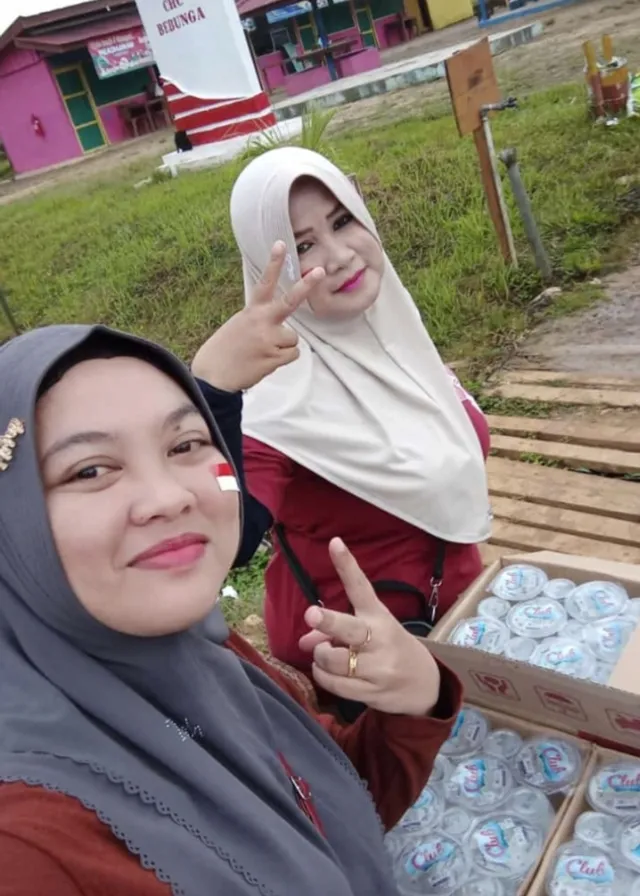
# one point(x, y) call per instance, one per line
point(563, 484)
point(567, 388)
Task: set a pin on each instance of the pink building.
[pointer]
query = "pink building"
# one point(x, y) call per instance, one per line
point(74, 81)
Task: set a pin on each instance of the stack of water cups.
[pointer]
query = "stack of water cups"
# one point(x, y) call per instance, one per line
point(603, 858)
point(579, 630)
point(480, 824)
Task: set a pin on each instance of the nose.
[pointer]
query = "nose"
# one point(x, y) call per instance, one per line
point(339, 255)
point(161, 496)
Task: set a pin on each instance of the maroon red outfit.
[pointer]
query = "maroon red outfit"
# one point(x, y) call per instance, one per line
point(313, 511)
point(50, 844)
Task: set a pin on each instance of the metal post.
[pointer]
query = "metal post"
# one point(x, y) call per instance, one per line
point(504, 212)
point(543, 263)
point(482, 9)
point(7, 311)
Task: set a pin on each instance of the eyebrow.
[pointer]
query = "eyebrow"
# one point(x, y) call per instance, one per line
point(94, 437)
point(338, 207)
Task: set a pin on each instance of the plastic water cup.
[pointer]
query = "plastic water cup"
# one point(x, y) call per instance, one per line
point(520, 581)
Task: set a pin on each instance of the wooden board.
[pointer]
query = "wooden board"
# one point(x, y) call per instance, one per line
point(472, 84)
point(607, 460)
point(574, 431)
point(571, 522)
point(490, 553)
point(563, 488)
point(610, 398)
point(529, 538)
point(566, 485)
point(567, 378)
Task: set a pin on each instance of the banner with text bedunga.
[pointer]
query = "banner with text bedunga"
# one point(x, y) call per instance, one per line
point(200, 47)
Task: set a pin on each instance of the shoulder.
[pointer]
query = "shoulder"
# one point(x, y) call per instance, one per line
point(291, 680)
point(40, 835)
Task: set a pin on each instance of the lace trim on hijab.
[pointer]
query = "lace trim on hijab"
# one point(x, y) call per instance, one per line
point(133, 789)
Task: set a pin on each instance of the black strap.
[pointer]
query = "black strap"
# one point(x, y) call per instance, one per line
point(419, 626)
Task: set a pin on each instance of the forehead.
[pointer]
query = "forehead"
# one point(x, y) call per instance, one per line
point(309, 196)
point(106, 393)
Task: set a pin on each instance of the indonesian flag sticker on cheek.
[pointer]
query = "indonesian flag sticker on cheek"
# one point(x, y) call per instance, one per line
point(225, 477)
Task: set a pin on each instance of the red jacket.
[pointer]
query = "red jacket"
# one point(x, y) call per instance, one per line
point(313, 511)
point(50, 844)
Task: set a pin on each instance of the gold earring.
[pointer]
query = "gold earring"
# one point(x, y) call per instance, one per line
point(8, 442)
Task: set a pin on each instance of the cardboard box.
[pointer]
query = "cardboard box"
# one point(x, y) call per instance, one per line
point(561, 802)
point(606, 715)
point(564, 828)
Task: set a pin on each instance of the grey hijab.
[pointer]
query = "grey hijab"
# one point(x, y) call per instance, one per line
point(173, 742)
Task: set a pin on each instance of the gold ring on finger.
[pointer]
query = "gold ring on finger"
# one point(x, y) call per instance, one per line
point(353, 663)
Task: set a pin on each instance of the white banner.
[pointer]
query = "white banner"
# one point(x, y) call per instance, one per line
point(200, 46)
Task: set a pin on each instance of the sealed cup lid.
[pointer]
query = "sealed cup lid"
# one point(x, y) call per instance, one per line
point(494, 607)
point(629, 842)
point(504, 845)
point(503, 742)
point(558, 589)
point(633, 608)
point(520, 649)
point(479, 783)
point(579, 868)
point(429, 807)
point(573, 630)
point(566, 656)
point(603, 673)
point(533, 804)
point(468, 733)
point(483, 886)
point(441, 770)
point(481, 632)
point(537, 618)
point(607, 638)
point(548, 763)
point(432, 866)
point(596, 600)
point(615, 789)
point(456, 821)
point(519, 582)
point(597, 829)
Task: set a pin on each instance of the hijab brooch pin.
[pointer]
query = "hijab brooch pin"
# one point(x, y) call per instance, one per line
point(8, 442)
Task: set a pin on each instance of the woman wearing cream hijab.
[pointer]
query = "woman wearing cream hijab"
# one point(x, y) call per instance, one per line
point(367, 431)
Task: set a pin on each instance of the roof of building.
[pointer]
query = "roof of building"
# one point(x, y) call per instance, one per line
point(71, 26)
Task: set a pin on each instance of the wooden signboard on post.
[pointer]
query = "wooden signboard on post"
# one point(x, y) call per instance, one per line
point(472, 85)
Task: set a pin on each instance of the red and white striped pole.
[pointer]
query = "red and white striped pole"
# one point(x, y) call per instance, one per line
point(208, 74)
point(211, 120)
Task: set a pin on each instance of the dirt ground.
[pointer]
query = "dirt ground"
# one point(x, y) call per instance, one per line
point(554, 58)
point(602, 340)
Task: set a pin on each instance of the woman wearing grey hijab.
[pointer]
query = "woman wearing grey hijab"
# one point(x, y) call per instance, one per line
point(143, 748)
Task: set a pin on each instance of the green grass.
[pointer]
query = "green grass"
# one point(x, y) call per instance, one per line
point(161, 260)
point(249, 583)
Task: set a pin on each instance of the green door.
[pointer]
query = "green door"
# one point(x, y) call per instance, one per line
point(365, 24)
point(307, 31)
point(82, 112)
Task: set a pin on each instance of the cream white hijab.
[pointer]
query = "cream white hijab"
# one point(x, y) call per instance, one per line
point(369, 405)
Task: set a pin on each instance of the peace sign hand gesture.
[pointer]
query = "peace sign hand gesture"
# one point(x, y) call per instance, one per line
point(369, 657)
point(255, 341)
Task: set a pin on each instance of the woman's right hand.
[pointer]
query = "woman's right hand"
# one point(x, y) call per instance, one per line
point(255, 341)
